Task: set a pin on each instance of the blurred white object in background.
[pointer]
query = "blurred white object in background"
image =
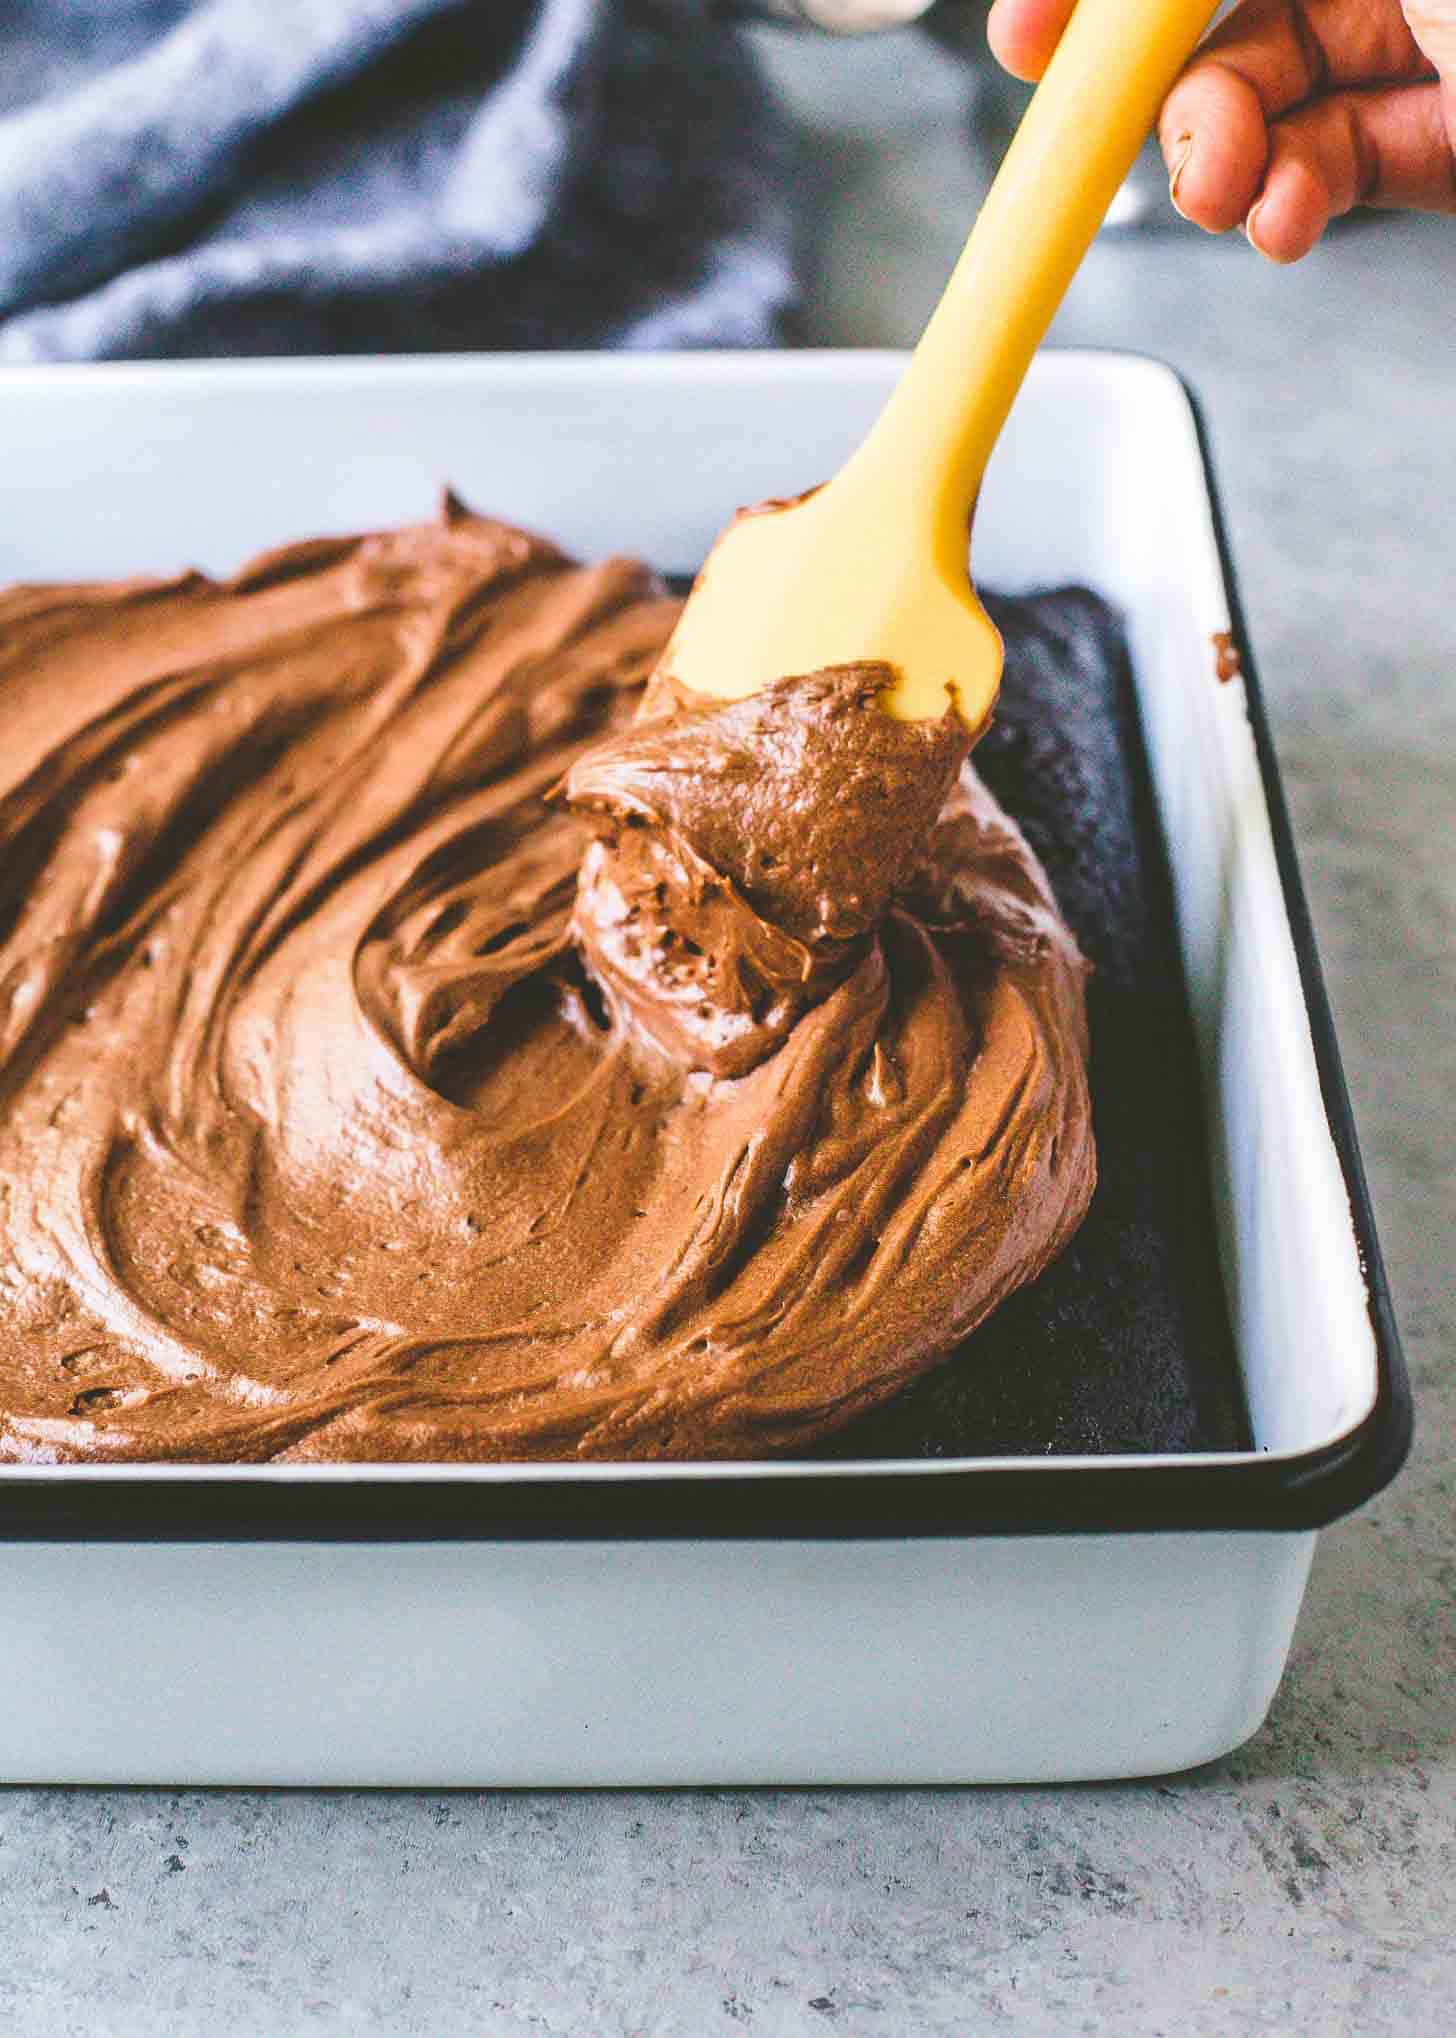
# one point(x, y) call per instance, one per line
point(840, 17)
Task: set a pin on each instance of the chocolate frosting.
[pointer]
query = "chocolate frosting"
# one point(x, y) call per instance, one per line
point(421, 1039)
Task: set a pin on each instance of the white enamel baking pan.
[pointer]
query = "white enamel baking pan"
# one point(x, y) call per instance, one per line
point(971, 1620)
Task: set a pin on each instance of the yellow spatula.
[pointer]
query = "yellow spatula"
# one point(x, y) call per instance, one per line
point(873, 566)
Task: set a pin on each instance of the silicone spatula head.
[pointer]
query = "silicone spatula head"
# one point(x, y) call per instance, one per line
point(833, 580)
point(873, 567)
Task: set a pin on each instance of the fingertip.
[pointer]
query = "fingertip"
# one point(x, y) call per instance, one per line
point(1289, 215)
point(1282, 254)
point(1009, 50)
point(1254, 230)
point(1201, 187)
point(1176, 155)
point(1024, 33)
point(1215, 144)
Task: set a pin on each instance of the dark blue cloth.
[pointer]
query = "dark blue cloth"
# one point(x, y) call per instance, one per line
point(183, 177)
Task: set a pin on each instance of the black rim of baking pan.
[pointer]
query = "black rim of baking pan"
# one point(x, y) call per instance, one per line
point(818, 1502)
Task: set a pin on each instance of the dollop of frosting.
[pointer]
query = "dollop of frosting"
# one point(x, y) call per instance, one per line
point(748, 851)
point(421, 1038)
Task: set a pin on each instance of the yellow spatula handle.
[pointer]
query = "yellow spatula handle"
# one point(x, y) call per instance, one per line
point(1078, 140)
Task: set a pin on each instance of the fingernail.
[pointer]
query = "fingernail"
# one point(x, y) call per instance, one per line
point(1251, 226)
point(1182, 150)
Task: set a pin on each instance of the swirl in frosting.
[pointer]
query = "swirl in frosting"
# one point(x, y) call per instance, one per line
point(422, 1039)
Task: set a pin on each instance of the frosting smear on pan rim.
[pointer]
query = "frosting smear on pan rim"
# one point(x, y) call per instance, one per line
point(421, 1039)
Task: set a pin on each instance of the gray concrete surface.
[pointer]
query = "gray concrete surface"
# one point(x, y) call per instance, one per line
point(1306, 1885)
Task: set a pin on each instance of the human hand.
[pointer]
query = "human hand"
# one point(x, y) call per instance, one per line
point(1293, 111)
